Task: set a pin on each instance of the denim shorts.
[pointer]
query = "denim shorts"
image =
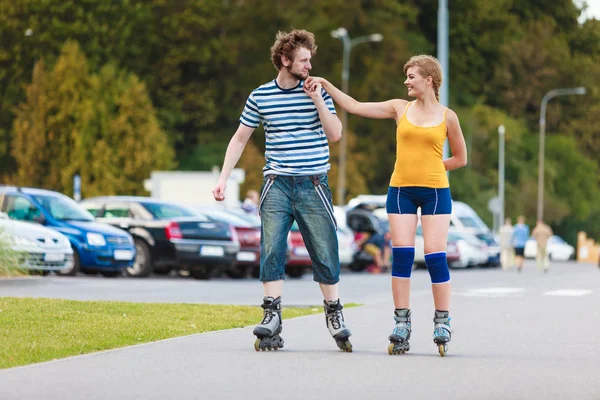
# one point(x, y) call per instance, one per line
point(406, 200)
point(307, 200)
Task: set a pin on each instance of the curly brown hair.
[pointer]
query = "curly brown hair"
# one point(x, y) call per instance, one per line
point(286, 45)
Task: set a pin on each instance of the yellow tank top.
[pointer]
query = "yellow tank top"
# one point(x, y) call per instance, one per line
point(419, 153)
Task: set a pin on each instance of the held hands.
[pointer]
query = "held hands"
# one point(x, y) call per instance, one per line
point(313, 86)
point(219, 191)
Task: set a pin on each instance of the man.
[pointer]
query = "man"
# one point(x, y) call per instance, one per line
point(298, 124)
point(519, 238)
point(507, 253)
point(541, 233)
point(250, 204)
point(378, 246)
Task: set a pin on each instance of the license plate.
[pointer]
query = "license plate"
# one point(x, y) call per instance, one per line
point(212, 251)
point(54, 257)
point(301, 251)
point(123, 254)
point(246, 256)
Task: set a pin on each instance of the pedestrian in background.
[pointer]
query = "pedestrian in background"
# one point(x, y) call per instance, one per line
point(519, 238)
point(507, 252)
point(541, 233)
point(250, 204)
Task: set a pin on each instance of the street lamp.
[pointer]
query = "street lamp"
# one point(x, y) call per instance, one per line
point(551, 94)
point(501, 131)
point(342, 34)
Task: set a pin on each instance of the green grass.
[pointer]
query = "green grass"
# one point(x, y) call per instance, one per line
point(36, 330)
point(9, 259)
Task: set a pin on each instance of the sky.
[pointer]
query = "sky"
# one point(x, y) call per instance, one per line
point(593, 10)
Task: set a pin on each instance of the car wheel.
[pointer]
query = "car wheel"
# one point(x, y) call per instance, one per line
point(295, 271)
point(162, 271)
point(202, 272)
point(142, 265)
point(235, 272)
point(110, 274)
point(356, 266)
point(74, 269)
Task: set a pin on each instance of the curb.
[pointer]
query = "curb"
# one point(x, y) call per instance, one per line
point(22, 281)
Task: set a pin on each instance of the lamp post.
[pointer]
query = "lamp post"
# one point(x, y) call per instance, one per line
point(442, 55)
point(342, 34)
point(501, 131)
point(551, 94)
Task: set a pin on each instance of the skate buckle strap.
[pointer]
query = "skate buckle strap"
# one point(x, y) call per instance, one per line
point(402, 319)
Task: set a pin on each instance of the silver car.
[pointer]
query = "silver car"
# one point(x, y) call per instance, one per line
point(39, 248)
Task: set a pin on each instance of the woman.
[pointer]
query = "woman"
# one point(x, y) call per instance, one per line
point(420, 181)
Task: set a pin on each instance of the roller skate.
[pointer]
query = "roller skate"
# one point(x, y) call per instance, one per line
point(442, 333)
point(335, 323)
point(401, 333)
point(267, 332)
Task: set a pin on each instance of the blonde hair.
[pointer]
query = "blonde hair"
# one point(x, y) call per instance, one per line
point(286, 45)
point(428, 66)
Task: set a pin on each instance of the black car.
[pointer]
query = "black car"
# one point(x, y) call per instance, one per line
point(168, 236)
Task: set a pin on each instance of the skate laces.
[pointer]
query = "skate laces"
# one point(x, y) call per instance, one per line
point(268, 317)
point(442, 330)
point(402, 329)
point(334, 318)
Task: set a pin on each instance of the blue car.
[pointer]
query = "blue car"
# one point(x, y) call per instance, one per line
point(97, 247)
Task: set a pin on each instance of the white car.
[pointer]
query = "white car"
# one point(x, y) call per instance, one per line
point(40, 248)
point(558, 249)
point(463, 250)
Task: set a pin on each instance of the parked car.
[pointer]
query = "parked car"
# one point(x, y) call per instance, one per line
point(96, 247)
point(364, 221)
point(558, 249)
point(493, 248)
point(168, 236)
point(248, 233)
point(454, 256)
point(297, 257)
point(40, 249)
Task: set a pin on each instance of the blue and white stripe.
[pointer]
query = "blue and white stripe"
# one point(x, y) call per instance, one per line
point(295, 141)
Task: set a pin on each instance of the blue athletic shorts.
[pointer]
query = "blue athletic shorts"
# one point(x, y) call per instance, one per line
point(406, 200)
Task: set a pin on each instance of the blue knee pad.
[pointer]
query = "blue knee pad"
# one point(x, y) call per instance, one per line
point(403, 258)
point(437, 265)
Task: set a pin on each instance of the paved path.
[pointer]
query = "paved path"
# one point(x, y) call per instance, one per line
point(516, 336)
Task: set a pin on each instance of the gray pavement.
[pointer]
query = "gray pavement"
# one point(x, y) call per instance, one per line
point(517, 336)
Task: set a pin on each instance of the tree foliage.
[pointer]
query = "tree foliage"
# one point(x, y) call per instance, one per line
point(156, 76)
point(100, 126)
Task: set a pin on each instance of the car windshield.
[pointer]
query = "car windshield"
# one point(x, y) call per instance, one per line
point(166, 211)
point(295, 227)
point(63, 208)
point(557, 240)
point(488, 239)
point(468, 222)
point(224, 216)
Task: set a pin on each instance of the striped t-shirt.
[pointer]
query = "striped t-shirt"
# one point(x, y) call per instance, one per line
point(295, 141)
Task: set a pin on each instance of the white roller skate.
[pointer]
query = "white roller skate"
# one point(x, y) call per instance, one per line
point(442, 333)
point(335, 323)
point(401, 334)
point(267, 332)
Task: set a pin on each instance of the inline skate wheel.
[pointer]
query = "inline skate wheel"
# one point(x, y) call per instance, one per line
point(442, 348)
point(345, 346)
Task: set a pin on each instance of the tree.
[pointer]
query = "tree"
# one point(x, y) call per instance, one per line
point(102, 127)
